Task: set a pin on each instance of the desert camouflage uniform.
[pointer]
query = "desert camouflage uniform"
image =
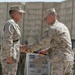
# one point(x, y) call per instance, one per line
point(60, 52)
point(11, 43)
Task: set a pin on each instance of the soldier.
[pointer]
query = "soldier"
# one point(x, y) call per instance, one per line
point(11, 42)
point(60, 52)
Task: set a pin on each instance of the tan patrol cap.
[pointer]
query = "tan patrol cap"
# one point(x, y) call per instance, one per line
point(17, 8)
point(49, 11)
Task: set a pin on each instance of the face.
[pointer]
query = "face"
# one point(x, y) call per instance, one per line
point(50, 19)
point(17, 16)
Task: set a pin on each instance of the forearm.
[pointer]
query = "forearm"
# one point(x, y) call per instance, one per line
point(40, 45)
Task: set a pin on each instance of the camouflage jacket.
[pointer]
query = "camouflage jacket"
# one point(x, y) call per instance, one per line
point(59, 41)
point(11, 40)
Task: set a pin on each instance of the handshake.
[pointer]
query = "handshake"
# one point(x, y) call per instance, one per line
point(24, 49)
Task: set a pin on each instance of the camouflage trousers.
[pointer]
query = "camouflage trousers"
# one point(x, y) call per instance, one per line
point(9, 69)
point(21, 65)
point(62, 68)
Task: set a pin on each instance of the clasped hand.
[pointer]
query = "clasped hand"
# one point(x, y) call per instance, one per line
point(23, 49)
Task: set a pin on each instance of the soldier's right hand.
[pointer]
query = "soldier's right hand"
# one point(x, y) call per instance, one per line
point(9, 60)
point(23, 48)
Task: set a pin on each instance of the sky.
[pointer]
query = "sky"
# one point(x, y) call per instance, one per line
point(31, 0)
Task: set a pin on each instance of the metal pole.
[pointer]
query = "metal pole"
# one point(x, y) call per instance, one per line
point(72, 17)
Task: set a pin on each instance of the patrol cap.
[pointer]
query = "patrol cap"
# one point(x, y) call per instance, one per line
point(16, 8)
point(49, 11)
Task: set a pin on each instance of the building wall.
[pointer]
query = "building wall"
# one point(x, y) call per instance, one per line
point(3, 12)
point(32, 25)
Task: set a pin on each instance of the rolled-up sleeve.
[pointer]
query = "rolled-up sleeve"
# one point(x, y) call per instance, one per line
point(8, 39)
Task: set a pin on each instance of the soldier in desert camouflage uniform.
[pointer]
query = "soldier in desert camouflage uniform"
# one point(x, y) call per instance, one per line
point(60, 53)
point(11, 42)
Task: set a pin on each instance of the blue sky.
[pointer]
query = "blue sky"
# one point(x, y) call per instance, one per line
point(31, 0)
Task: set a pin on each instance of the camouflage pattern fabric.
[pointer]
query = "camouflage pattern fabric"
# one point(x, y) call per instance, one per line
point(10, 47)
point(9, 69)
point(62, 68)
point(60, 45)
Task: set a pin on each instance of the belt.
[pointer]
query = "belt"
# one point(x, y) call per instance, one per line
point(16, 40)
